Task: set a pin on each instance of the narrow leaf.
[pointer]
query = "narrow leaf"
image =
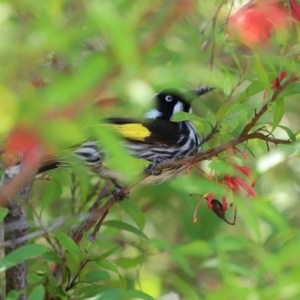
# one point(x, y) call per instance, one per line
point(105, 264)
point(278, 107)
point(37, 293)
point(254, 88)
point(96, 275)
point(51, 256)
point(184, 116)
point(211, 118)
point(228, 84)
point(106, 254)
point(261, 73)
point(289, 132)
point(125, 226)
point(69, 244)
point(20, 255)
point(134, 212)
point(129, 262)
point(111, 294)
point(222, 111)
point(137, 294)
point(234, 117)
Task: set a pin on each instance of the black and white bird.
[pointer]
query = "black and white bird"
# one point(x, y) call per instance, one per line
point(155, 138)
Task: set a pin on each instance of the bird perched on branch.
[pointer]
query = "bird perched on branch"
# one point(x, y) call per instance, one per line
point(154, 139)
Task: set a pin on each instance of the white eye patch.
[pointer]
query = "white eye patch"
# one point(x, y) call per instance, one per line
point(178, 107)
point(169, 98)
point(153, 114)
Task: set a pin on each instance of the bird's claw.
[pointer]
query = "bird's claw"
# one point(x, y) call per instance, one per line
point(120, 193)
point(153, 169)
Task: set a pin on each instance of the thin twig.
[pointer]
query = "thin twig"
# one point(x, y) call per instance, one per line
point(92, 218)
point(98, 225)
point(213, 16)
point(240, 80)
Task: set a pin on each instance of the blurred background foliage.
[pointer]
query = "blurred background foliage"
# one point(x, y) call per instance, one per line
point(60, 57)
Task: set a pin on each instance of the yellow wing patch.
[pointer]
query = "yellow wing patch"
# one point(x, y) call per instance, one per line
point(134, 131)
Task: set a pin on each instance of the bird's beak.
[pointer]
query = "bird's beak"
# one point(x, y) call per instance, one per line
point(202, 90)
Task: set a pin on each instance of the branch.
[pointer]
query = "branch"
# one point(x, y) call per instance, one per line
point(15, 229)
point(96, 213)
point(244, 135)
point(275, 95)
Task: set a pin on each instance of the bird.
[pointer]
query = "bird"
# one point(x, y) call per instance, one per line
point(155, 138)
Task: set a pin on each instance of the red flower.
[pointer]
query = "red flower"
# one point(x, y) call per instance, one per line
point(275, 83)
point(295, 9)
point(243, 169)
point(23, 142)
point(255, 22)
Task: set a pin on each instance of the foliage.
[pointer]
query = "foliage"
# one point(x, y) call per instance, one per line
point(67, 64)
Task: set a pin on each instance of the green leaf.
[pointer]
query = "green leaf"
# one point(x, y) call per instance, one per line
point(96, 275)
point(184, 116)
point(253, 89)
point(99, 292)
point(20, 255)
point(181, 259)
point(34, 278)
point(211, 118)
point(223, 109)
point(132, 294)
point(122, 282)
point(69, 245)
point(3, 212)
point(278, 111)
point(261, 73)
point(270, 214)
point(72, 262)
point(291, 89)
point(126, 227)
point(251, 218)
point(234, 117)
point(52, 256)
point(107, 253)
point(105, 264)
point(13, 295)
point(228, 84)
point(56, 291)
point(38, 293)
point(221, 166)
point(112, 294)
point(233, 52)
point(134, 212)
point(51, 193)
point(128, 262)
point(289, 132)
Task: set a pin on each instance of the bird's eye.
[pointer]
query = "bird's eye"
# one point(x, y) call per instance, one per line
point(169, 98)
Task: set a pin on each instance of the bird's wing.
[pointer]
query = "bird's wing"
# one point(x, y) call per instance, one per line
point(146, 131)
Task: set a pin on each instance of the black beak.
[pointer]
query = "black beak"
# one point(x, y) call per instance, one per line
point(202, 90)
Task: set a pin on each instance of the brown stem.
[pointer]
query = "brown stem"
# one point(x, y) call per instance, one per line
point(16, 227)
point(275, 95)
point(92, 218)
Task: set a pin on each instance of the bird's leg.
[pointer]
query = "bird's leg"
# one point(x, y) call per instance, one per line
point(153, 168)
point(119, 192)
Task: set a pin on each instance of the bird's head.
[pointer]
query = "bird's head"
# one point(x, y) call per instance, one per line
point(170, 102)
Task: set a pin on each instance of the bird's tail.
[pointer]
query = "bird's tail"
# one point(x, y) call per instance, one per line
point(88, 152)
